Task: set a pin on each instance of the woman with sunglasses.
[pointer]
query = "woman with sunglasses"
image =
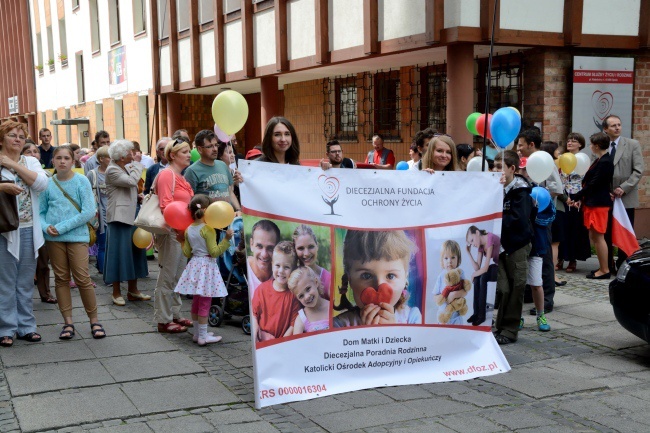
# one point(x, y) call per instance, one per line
point(170, 185)
point(25, 180)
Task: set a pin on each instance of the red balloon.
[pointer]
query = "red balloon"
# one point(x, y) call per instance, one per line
point(480, 125)
point(177, 215)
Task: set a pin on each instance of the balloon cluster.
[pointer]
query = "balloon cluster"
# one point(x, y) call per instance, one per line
point(502, 127)
point(218, 215)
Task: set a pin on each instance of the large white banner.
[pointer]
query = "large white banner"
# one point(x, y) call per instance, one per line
point(602, 86)
point(355, 278)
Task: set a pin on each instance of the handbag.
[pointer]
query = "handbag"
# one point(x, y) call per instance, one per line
point(150, 217)
point(9, 220)
point(92, 233)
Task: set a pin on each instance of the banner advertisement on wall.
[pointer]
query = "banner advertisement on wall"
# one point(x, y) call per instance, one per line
point(365, 278)
point(602, 86)
point(117, 71)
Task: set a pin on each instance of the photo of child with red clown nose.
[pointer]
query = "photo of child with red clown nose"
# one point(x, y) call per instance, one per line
point(380, 275)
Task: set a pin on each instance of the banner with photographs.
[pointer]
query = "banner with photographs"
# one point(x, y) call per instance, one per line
point(366, 278)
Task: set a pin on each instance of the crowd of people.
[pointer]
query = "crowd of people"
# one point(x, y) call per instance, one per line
point(61, 214)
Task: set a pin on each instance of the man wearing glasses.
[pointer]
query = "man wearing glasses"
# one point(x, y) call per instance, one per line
point(381, 157)
point(209, 175)
point(334, 153)
point(153, 171)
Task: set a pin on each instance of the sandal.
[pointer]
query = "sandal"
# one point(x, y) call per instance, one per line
point(32, 337)
point(96, 328)
point(560, 265)
point(184, 322)
point(6, 341)
point(67, 334)
point(571, 267)
point(171, 328)
point(48, 299)
point(503, 340)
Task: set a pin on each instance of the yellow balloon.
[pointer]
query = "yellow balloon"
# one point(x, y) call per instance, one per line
point(230, 111)
point(219, 215)
point(557, 163)
point(518, 113)
point(142, 238)
point(568, 162)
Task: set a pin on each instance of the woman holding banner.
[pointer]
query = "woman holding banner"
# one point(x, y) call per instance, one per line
point(280, 143)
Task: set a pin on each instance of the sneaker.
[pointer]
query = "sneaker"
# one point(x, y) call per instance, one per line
point(542, 324)
point(521, 324)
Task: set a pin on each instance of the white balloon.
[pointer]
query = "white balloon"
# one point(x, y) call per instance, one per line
point(511, 145)
point(474, 164)
point(583, 164)
point(539, 166)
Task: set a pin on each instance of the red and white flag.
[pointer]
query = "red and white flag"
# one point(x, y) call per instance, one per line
point(622, 231)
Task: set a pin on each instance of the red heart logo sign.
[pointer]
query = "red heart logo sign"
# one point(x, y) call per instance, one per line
point(370, 295)
point(329, 185)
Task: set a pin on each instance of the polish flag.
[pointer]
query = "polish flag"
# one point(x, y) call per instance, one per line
point(622, 231)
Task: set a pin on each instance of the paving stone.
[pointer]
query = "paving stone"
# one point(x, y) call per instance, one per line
point(319, 406)
point(366, 417)
point(577, 368)
point(591, 310)
point(233, 416)
point(150, 365)
point(431, 407)
point(364, 398)
point(406, 392)
point(44, 411)
point(426, 428)
point(470, 424)
point(542, 382)
point(609, 335)
point(127, 428)
point(616, 364)
point(480, 399)
point(48, 317)
point(52, 377)
point(518, 418)
point(185, 424)
point(120, 345)
point(253, 427)
point(126, 326)
point(189, 393)
point(75, 350)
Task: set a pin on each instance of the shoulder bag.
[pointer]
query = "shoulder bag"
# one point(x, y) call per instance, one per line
point(150, 217)
point(9, 220)
point(92, 233)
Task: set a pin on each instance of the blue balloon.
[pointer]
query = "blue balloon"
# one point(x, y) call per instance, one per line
point(402, 165)
point(505, 126)
point(541, 196)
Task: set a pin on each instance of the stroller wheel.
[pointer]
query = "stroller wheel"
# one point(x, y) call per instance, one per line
point(215, 316)
point(246, 324)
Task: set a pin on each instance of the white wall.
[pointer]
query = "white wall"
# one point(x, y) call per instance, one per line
point(399, 18)
point(59, 89)
point(533, 15)
point(232, 42)
point(462, 13)
point(301, 30)
point(619, 18)
point(165, 71)
point(345, 23)
point(184, 60)
point(264, 38)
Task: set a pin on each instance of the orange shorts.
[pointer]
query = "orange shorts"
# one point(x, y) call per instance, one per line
point(596, 218)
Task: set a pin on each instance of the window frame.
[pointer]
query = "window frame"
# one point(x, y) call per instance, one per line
point(95, 48)
point(137, 5)
point(426, 73)
point(393, 110)
point(343, 133)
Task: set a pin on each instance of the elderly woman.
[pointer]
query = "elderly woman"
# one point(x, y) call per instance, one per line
point(170, 185)
point(97, 178)
point(124, 261)
point(19, 248)
point(280, 143)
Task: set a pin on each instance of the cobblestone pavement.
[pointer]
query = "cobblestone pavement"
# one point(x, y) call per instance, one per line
point(587, 375)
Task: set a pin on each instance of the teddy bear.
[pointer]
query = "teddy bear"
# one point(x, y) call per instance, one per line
point(453, 282)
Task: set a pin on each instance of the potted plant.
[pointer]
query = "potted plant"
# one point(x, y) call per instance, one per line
point(39, 68)
point(63, 59)
point(51, 64)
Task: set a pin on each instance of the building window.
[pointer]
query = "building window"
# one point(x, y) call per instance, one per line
point(114, 19)
point(346, 108)
point(506, 88)
point(63, 42)
point(139, 16)
point(433, 97)
point(81, 92)
point(183, 14)
point(75, 4)
point(68, 128)
point(163, 19)
point(387, 105)
point(39, 52)
point(119, 119)
point(94, 26)
point(230, 6)
point(99, 116)
point(206, 11)
point(50, 48)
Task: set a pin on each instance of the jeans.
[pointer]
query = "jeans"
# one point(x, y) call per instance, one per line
point(511, 280)
point(101, 251)
point(17, 287)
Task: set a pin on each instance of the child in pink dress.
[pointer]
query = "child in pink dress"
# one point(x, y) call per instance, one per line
point(306, 286)
point(201, 277)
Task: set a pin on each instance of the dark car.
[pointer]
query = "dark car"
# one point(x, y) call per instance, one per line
point(629, 294)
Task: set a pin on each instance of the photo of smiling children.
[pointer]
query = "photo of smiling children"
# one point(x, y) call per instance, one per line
point(383, 271)
point(308, 290)
point(451, 286)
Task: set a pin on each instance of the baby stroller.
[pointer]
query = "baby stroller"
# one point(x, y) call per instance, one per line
point(232, 266)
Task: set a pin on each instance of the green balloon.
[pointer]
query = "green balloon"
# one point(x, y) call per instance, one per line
point(471, 123)
point(194, 155)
